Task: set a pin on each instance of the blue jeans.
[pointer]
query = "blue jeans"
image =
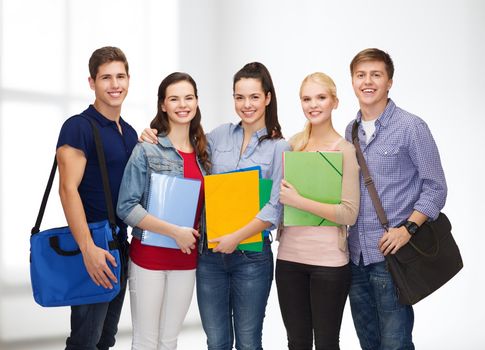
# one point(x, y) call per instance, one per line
point(381, 322)
point(94, 326)
point(232, 293)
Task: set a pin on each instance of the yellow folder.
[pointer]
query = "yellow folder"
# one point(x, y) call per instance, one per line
point(232, 201)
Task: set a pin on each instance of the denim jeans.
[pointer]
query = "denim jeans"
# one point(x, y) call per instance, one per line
point(381, 322)
point(94, 326)
point(232, 293)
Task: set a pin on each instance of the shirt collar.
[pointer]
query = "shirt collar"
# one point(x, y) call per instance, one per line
point(101, 119)
point(260, 133)
point(386, 115)
point(164, 141)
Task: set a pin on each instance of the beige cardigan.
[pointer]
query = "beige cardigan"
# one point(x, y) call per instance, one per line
point(326, 245)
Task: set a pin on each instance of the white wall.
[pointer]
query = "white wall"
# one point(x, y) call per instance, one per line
point(438, 51)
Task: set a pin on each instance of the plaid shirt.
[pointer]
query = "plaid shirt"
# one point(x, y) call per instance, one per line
point(405, 165)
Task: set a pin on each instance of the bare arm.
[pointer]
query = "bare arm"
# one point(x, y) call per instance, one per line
point(72, 163)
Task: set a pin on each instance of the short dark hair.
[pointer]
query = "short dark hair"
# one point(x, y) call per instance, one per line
point(105, 55)
point(373, 54)
point(257, 70)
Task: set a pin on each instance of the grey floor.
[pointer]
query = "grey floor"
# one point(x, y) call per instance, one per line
point(191, 338)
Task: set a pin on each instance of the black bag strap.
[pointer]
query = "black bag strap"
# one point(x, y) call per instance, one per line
point(104, 176)
point(369, 183)
point(43, 204)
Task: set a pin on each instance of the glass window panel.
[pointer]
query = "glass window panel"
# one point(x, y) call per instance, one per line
point(26, 159)
point(45, 51)
point(33, 45)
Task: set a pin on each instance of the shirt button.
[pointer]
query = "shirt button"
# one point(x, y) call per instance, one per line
point(385, 152)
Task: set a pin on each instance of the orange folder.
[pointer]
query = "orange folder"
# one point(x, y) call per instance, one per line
point(232, 201)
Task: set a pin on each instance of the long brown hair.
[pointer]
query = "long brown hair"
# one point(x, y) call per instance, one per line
point(196, 132)
point(257, 70)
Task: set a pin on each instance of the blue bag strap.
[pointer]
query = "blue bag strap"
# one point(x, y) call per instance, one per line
point(104, 176)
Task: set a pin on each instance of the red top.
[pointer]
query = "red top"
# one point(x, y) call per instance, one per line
point(158, 258)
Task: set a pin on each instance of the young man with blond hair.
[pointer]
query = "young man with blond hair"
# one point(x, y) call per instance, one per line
point(404, 163)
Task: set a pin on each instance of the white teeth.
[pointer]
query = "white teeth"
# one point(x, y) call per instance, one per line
point(368, 90)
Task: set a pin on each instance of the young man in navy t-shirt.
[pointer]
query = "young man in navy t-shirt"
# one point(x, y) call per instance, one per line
point(94, 326)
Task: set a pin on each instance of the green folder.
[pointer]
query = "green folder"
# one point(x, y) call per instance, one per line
point(265, 186)
point(316, 176)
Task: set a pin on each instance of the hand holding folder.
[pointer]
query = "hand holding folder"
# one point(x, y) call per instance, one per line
point(316, 176)
point(174, 200)
point(232, 201)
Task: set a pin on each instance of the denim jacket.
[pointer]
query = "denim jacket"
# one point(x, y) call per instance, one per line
point(146, 159)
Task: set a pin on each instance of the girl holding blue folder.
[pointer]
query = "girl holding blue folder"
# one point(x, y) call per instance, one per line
point(161, 280)
point(312, 266)
point(232, 285)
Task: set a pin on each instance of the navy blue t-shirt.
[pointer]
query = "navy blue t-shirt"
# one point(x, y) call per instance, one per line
point(77, 132)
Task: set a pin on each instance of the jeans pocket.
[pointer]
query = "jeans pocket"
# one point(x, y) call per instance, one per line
point(386, 296)
point(254, 256)
point(264, 255)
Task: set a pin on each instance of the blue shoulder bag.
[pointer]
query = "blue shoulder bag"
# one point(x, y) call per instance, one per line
point(57, 271)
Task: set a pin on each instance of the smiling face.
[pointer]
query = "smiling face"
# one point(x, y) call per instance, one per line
point(371, 84)
point(110, 88)
point(317, 102)
point(180, 103)
point(250, 102)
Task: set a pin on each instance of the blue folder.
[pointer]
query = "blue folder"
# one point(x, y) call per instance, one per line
point(256, 167)
point(172, 199)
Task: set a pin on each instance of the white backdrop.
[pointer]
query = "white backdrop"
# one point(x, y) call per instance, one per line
point(438, 50)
